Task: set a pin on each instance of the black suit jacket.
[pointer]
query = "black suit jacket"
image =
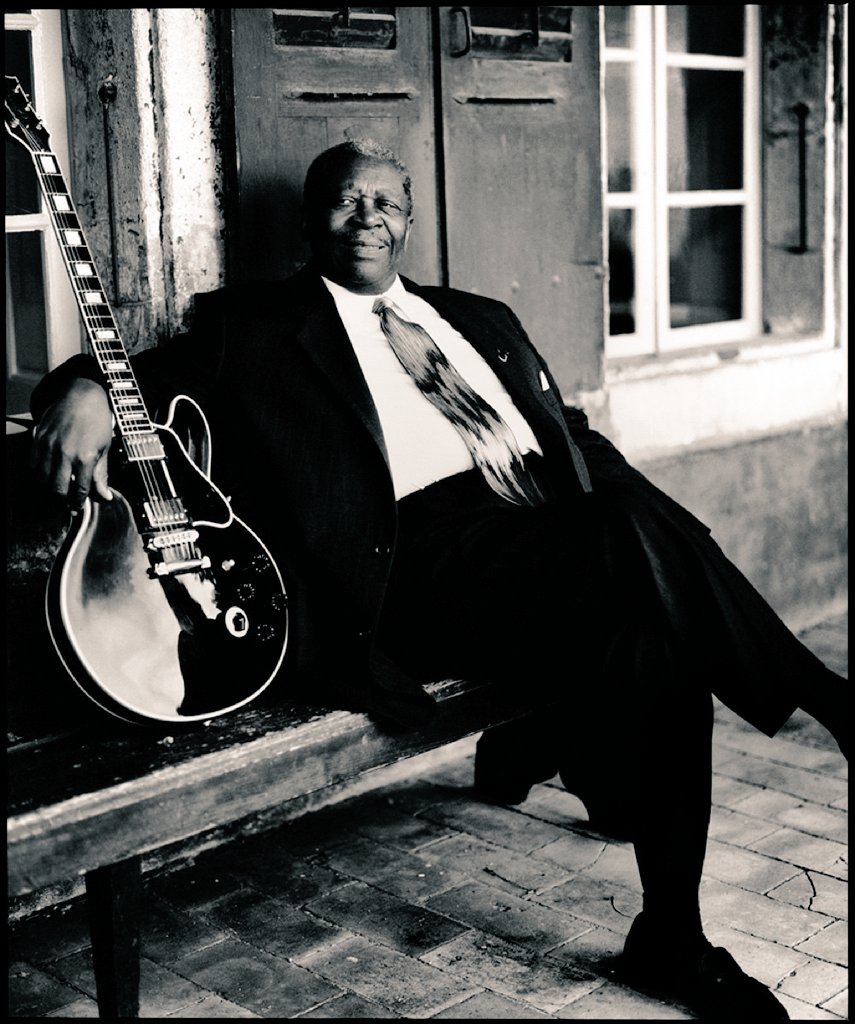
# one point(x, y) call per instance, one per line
point(297, 444)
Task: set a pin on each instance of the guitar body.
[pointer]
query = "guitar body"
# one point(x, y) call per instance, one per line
point(181, 646)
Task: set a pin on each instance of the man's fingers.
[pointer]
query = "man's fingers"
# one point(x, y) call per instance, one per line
point(79, 485)
point(99, 478)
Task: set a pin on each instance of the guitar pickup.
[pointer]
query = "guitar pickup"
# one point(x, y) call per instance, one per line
point(170, 540)
point(188, 565)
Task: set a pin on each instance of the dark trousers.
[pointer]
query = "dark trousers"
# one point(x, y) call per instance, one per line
point(610, 605)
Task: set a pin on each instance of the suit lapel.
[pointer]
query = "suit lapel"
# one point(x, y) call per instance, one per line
point(321, 334)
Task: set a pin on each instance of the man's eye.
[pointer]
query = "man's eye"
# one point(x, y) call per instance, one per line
point(388, 204)
point(345, 201)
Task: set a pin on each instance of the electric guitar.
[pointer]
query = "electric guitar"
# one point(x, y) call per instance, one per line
point(162, 604)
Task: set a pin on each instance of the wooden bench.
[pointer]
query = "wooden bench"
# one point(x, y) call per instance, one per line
point(91, 797)
point(93, 803)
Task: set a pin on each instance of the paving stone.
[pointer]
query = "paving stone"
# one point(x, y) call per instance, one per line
point(273, 926)
point(614, 1002)
point(832, 943)
point(385, 918)
point(744, 868)
point(572, 851)
point(83, 1007)
point(385, 822)
point(814, 786)
point(783, 751)
point(408, 987)
point(595, 950)
point(195, 887)
point(799, 1010)
point(757, 915)
point(815, 891)
point(213, 1007)
point(489, 1006)
point(767, 961)
point(738, 827)
point(615, 864)
point(496, 824)
point(168, 934)
point(806, 851)
point(556, 805)
point(67, 927)
point(730, 792)
point(815, 981)
point(838, 1004)
point(511, 970)
point(405, 875)
point(494, 865)
point(596, 901)
point(532, 925)
point(162, 991)
point(803, 815)
point(33, 993)
point(255, 980)
point(272, 868)
point(348, 1007)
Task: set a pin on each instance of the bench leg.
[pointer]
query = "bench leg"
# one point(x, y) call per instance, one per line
point(113, 895)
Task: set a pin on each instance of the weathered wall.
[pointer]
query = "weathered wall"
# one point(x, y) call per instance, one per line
point(146, 166)
point(777, 507)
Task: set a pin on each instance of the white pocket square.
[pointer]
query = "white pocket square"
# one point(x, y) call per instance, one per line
point(544, 383)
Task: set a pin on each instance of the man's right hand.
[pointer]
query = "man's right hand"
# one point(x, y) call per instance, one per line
point(71, 442)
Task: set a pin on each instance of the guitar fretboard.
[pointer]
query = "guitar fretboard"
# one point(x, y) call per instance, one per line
point(132, 420)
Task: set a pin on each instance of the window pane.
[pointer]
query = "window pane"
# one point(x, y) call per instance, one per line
point(522, 33)
point(22, 189)
point(619, 26)
point(702, 28)
point(619, 125)
point(705, 119)
point(621, 273)
point(26, 327)
point(353, 27)
point(706, 265)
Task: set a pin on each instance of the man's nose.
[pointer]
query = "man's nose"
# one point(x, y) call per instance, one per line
point(366, 211)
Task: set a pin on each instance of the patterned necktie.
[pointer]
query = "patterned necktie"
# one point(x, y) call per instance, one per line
point(489, 439)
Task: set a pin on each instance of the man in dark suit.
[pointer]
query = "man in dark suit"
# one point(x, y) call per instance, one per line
point(405, 454)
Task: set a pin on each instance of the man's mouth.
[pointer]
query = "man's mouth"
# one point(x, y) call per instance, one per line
point(364, 244)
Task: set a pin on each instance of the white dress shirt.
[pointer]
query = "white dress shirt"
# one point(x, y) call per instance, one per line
point(422, 444)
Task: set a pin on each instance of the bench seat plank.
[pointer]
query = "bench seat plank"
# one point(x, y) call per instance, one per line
point(77, 806)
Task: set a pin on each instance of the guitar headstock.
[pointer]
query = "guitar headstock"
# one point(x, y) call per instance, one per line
point(22, 121)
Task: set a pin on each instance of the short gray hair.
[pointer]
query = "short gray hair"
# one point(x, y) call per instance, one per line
point(344, 153)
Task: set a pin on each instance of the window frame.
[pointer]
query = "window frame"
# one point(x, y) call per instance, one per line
point(651, 201)
point(62, 322)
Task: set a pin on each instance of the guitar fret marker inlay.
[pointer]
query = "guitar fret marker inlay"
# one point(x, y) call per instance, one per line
point(61, 203)
point(73, 238)
point(93, 298)
point(84, 270)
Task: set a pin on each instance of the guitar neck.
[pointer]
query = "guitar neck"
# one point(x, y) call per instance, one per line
point(132, 420)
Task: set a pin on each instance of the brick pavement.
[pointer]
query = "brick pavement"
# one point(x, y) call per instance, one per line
point(417, 901)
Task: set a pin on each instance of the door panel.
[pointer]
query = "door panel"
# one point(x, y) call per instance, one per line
point(521, 162)
point(306, 80)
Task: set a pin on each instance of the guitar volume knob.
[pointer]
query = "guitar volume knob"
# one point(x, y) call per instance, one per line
point(279, 602)
point(259, 563)
point(246, 592)
point(265, 632)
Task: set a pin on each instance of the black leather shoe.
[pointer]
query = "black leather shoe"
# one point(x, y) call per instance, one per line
point(709, 982)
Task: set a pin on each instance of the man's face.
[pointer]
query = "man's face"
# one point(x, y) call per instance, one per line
point(359, 226)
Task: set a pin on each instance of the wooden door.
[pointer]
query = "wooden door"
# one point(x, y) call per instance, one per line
point(520, 112)
point(306, 79)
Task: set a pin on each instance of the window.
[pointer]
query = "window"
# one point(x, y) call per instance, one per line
point(42, 324)
point(683, 194)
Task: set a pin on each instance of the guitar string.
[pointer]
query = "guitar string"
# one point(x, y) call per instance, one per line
point(68, 221)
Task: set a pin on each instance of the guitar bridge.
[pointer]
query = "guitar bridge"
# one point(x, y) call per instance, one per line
point(168, 540)
point(186, 565)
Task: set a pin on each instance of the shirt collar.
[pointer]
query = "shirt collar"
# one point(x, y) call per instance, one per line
point(353, 302)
